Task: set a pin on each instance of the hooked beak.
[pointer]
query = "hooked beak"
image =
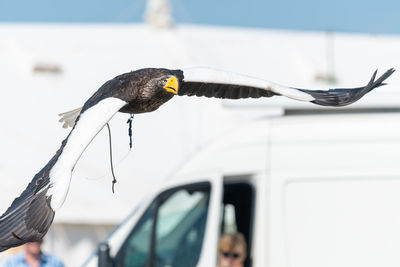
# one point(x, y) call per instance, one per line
point(172, 85)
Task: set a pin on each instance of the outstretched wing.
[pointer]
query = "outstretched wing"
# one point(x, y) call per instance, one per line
point(215, 83)
point(31, 214)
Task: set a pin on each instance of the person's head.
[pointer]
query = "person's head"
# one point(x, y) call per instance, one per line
point(34, 248)
point(231, 250)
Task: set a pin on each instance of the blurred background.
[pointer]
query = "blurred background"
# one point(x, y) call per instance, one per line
point(55, 54)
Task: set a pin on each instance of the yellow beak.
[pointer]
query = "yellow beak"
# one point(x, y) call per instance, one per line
point(172, 85)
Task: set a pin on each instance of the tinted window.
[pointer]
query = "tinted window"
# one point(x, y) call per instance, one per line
point(136, 251)
point(171, 231)
point(237, 208)
point(180, 228)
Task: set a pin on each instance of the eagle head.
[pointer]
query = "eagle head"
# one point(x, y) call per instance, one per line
point(169, 83)
point(161, 83)
point(148, 89)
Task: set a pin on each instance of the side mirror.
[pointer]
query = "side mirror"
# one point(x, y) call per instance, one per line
point(103, 253)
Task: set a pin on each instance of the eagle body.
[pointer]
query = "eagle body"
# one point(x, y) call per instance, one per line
point(138, 89)
point(31, 214)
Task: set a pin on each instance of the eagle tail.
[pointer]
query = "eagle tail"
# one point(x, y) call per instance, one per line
point(69, 117)
point(346, 96)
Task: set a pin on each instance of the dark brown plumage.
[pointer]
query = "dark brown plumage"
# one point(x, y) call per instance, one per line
point(142, 90)
point(223, 91)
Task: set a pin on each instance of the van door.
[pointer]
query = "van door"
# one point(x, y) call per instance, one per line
point(175, 227)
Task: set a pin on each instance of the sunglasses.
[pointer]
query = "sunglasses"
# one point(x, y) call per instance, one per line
point(226, 254)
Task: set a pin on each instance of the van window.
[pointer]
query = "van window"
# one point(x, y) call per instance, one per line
point(171, 231)
point(237, 212)
point(137, 248)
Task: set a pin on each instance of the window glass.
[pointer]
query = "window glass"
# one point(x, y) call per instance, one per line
point(180, 228)
point(136, 251)
point(176, 237)
point(237, 212)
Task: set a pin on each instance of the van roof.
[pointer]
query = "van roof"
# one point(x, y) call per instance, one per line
point(247, 148)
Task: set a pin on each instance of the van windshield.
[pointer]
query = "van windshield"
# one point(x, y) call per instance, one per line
point(180, 228)
point(170, 233)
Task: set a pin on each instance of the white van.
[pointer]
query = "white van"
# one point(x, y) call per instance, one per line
point(305, 190)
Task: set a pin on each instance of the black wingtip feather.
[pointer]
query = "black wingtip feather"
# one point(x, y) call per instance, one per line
point(379, 81)
point(28, 219)
point(346, 96)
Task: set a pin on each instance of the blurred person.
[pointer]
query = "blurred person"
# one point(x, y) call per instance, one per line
point(232, 250)
point(8, 253)
point(33, 256)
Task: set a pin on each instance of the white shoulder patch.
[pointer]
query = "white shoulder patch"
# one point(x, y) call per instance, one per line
point(89, 125)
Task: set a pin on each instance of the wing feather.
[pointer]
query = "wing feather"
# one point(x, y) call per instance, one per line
point(219, 84)
point(29, 216)
point(346, 96)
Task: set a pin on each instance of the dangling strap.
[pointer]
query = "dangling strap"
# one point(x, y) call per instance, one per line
point(130, 130)
point(114, 181)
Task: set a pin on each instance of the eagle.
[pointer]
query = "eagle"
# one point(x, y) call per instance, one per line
point(30, 215)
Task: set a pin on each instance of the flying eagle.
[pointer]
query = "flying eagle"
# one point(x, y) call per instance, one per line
point(31, 214)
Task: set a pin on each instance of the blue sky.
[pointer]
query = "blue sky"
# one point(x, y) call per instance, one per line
point(376, 17)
